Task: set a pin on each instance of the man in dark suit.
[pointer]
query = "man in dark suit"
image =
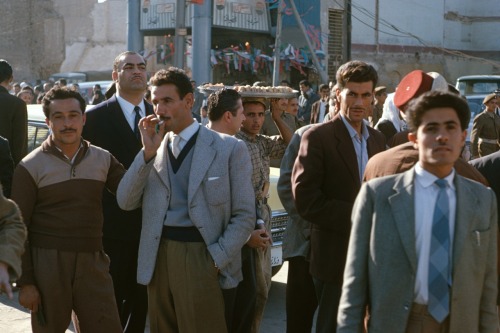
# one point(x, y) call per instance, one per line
point(6, 166)
point(13, 115)
point(113, 125)
point(327, 177)
point(320, 108)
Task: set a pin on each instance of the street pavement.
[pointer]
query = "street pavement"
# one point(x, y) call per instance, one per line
point(15, 319)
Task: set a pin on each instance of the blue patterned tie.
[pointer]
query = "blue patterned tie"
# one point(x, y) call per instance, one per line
point(439, 259)
point(137, 133)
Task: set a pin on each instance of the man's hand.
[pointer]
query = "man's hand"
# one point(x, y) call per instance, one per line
point(29, 297)
point(259, 238)
point(152, 135)
point(4, 280)
point(275, 108)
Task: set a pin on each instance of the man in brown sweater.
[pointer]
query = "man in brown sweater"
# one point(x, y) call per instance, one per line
point(58, 188)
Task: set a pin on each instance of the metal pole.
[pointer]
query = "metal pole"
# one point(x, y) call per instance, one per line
point(180, 34)
point(135, 40)
point(322, 73)
point(377, 12)
point(277, 44)
point(202, 41)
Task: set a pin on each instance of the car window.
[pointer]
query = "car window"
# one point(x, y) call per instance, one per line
point(37, 133)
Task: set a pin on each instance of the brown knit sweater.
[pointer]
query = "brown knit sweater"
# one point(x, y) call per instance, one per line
point(61, 202)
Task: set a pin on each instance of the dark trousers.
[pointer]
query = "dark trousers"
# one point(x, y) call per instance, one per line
point(131, 297)
point(301, 301)
point(240, 301)
point(328, 305)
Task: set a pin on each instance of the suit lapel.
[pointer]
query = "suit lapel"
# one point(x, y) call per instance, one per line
point(463, 217)
point(403, 210)
point(346, 150)
point(161, 161)
point(203, 155)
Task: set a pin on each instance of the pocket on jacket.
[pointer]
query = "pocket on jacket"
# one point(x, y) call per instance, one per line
point(216, 190)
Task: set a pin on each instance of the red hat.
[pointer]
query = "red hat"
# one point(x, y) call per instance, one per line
point(411, 86)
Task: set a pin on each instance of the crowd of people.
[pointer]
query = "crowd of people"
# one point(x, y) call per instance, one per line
point(137, 209)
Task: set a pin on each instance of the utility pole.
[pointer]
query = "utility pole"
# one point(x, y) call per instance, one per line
point(277, 48)
point(180, 34)
point(135, 40)
point(202, 41)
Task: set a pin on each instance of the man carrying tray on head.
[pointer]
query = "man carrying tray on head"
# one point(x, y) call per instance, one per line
point(262, 148)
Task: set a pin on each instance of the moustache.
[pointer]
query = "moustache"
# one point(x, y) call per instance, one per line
point(68, 130)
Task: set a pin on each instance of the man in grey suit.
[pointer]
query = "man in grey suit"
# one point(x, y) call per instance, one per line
point(423, 247)
point(195, 189)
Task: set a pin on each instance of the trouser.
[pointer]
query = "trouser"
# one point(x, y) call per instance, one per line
point(328, 295)
point(78, 281)
point(262, 271)
point(131, 297)
point(184, 294)
point(240, 301)
point(421, 321)
point(301, 301)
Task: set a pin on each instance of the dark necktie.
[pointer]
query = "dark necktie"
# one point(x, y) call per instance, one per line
point(439, 257)
point(137, 133)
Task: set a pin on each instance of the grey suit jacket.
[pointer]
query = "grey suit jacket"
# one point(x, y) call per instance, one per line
point(297, 236)
point(382, 259)
point(220, 196)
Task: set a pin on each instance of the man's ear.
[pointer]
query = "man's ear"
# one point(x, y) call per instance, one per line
point(114, 75)
point(413, 138)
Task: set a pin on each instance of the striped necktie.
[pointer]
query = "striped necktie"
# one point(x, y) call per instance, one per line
point(439, 258)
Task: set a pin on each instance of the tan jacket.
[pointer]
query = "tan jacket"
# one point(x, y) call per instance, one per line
point(12, 236)
point(486, 126)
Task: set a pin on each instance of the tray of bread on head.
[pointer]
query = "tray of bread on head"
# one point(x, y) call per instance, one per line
point(251, 91)
point(266, 92)
point(209, 88)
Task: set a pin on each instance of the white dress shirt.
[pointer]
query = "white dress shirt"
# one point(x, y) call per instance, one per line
point(426, 192)
point(186, 134)
point(128, 110)
point(359, 143)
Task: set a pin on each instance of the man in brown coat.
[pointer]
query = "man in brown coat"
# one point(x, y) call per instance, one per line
point(326, 178)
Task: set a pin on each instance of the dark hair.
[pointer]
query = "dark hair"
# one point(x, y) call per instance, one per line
point(61, 93)
point(436, 99)
point(5, 70)
point(175, 76)
point(323, 86)
point(116, 63)
point(305, 82)
point(356, 71)
point(221, 101)
point(63, 82)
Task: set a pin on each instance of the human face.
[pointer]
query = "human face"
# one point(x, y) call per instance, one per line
point(380, 98)
point(303, 88)
point(237, 120)
point(254, 118)
point(491, 105)
point(439, 140)
point(282, 103)
point(131, 75)
point(324, 93)
point(170, 108)
point(355, 101)
point(27, 97)
point(66, 121)
point(293, 106)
